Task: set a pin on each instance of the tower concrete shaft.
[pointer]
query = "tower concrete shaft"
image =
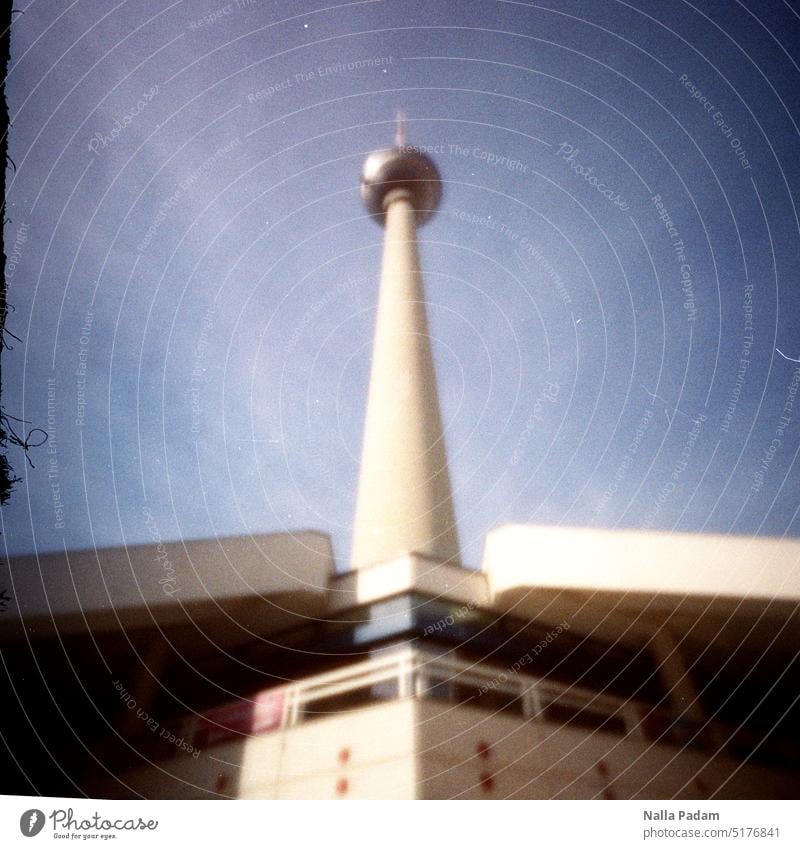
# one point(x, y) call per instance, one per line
point(404, 496)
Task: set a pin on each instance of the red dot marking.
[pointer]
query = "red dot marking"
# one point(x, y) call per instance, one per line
point(222, 781)
point(601, 767)
point(483, 749)
point(487, 782)
point(608, 793)
point(342, 786)
point(344, 755)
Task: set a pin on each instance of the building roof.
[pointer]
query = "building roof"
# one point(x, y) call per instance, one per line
point(616, 585)
point(624, 585)
point(262, 582)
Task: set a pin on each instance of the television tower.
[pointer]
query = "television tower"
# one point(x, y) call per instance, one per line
point(404, 497)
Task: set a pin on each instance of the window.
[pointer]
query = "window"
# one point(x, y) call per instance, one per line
point(435, 688)
point(497, 700)
point(458, 691)
point(583, 717)
point(349, 700)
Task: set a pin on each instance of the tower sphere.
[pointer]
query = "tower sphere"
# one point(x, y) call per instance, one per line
point(401, 167)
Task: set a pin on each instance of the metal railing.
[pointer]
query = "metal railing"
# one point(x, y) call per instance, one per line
point(411, 672)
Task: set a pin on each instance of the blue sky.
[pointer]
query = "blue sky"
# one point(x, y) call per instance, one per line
point(612, 275)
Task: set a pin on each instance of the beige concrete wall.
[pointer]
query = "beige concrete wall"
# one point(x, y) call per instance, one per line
point(642, 561)
point(625, 585)
point(411, 573)
point(539, 760)
point(367, 753)
point(185, 777)
point(430, 750)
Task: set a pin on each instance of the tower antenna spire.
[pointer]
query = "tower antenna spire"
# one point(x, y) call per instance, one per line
point(400, 131)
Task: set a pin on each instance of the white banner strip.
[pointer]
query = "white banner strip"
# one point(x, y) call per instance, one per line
point(382, 824)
